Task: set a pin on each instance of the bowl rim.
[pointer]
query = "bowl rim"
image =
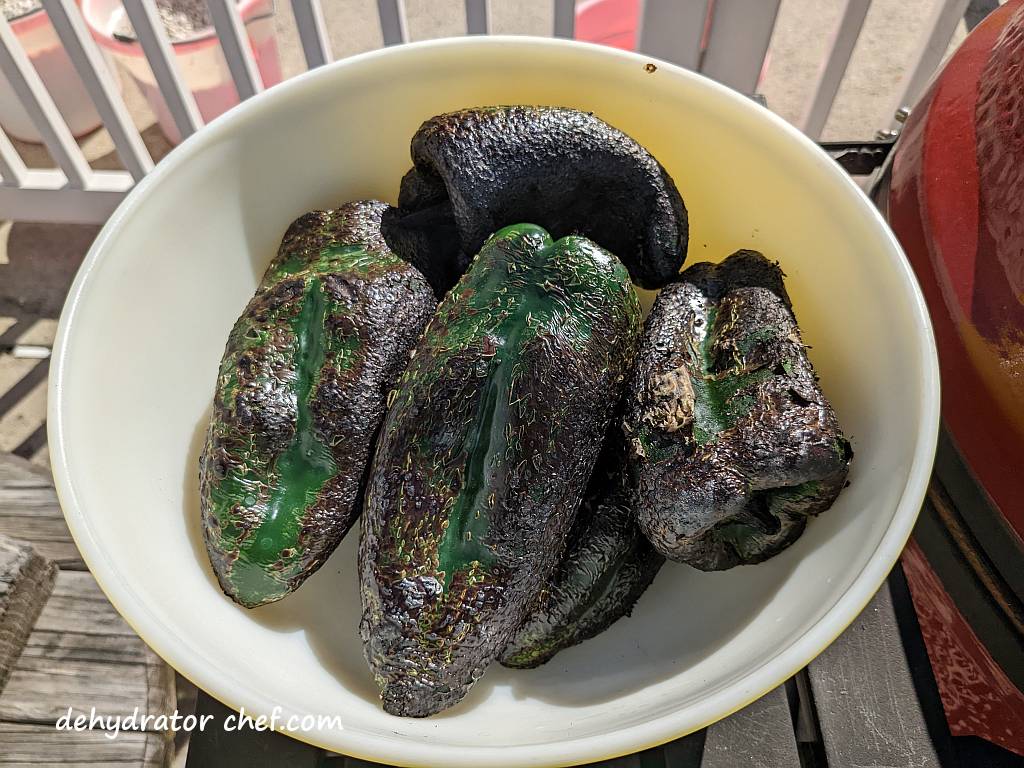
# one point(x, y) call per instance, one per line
point(721, 702)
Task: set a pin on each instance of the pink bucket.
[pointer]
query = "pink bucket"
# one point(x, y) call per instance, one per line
point(200, 59)
point(39, 39)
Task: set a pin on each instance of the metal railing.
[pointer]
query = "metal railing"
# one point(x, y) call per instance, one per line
point(725, 39)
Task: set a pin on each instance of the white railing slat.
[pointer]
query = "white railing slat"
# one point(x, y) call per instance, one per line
point(47, 197)
point(82, 49)
point(673, 30)
point(478, 17)
point(309, 19)
point(234, 42)
point(939, 30)
point(393, 26)
point(725, 39)
point(738, 41)
point(12, 167)
point(834, 67)
point(565, 18)
point(45, 116)
point(153, 38)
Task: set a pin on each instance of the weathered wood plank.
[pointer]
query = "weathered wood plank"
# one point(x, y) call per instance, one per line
point(79, 624)
point(79, 606)
point(82, 654)
point(40, 690)
point(57, 647)
point(16, 472)
point(865, 698)
point(759, 736)
point(63, 553)
point(24, 744)
point(26, 580)
point(23, 500)
point(29, 511)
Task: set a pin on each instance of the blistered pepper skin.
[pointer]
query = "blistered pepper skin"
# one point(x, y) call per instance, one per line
point(477, 170)
point(607, 566)
point(493, 431)
point(732, 444)
point(299, 398)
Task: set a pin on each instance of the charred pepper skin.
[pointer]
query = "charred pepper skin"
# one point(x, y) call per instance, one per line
point(484, 456)
point(480, 169)
point(733, 445)
point(299, 398)
point(607, 566)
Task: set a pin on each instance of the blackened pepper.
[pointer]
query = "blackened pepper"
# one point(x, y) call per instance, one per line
point(732, 444)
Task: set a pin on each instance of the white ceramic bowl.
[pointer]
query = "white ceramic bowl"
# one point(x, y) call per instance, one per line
point(145, 325)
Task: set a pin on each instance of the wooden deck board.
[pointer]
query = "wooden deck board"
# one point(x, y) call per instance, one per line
point(29, 510)
point(24, 744)
point(865, 698)
point(80, 654)
point(26, 580)
point(758, 736)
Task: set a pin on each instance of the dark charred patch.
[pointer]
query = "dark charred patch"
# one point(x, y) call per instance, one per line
point(478, 170)
point(764, 451)
point(607, 565)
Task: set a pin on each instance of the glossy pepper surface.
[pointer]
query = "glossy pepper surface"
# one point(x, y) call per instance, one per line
point(732, 444)
point(607, 566)
point(300, 395)
point(493, 431)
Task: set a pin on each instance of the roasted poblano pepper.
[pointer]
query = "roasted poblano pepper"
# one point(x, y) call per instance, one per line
point(483, 458)
point(733, 446)
point(608, 563)
point(477, 170)
point(300, 396)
